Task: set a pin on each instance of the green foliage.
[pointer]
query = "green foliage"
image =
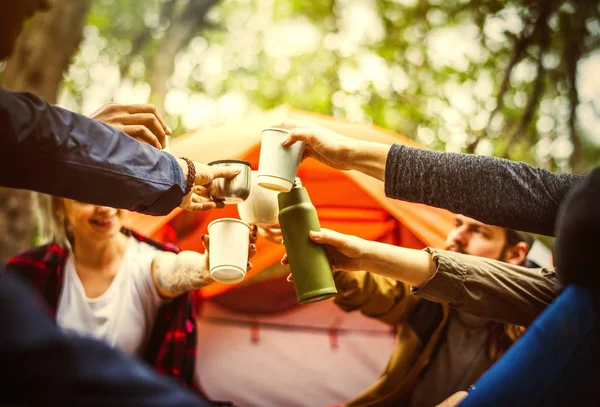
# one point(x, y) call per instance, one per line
point(485, 76)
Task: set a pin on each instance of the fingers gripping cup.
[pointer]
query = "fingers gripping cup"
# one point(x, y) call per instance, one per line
point(278, 165)
point(228, 250)
point(261, 207)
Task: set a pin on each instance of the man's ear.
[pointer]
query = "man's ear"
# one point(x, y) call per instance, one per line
point(517, 253)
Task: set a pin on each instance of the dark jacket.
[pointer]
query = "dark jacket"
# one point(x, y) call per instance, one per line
point(52, 150)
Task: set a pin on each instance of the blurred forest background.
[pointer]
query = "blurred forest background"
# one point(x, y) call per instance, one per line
point(514, 79)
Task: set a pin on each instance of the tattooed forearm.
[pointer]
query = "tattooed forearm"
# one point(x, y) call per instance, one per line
point(175, 274)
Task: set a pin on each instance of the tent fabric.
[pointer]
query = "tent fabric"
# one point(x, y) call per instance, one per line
point(346, 201)
point(258, 347)
point(307, 356)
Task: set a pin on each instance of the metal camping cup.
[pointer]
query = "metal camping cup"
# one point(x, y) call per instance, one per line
point(233, 190)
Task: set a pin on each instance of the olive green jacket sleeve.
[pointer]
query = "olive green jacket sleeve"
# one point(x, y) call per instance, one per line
point(489, 288)
point(375, 296)
point(479, 286)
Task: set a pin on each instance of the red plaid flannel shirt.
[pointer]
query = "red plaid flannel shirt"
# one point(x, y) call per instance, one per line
point(172, 345)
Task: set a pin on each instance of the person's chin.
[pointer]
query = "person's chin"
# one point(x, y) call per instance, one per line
point(114, 231)
point(106, 233)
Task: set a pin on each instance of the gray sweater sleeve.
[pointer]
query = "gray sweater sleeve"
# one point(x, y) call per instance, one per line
point(493, 190)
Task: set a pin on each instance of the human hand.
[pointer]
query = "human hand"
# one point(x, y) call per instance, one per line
point(454, 400)
point(142, 122)
point(322, 144)
point(199, 199)
point(271, 233)
point(251, 246)
point(345, 252)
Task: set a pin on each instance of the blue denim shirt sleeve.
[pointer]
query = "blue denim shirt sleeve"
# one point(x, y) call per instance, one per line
point(52, 150)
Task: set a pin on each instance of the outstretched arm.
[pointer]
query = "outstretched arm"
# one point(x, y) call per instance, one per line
point(493, 190)
point(48, 149)
point(483, 287)
point(174, 274)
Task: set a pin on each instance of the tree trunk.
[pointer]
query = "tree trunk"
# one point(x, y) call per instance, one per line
point(183, 26)
point(45, 49)
point(42, 55)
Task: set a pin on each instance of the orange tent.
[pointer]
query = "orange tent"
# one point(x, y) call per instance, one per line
point(348, 202)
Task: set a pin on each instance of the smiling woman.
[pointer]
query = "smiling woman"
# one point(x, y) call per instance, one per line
point(102, 280)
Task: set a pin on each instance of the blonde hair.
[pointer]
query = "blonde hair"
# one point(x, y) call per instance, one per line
point(52, 228)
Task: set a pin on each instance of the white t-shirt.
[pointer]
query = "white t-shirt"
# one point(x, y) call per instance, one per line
point(123, 316)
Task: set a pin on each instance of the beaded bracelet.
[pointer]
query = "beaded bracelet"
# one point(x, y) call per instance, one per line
point(189, 183)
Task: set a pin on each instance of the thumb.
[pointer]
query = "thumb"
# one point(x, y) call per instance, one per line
point(329, 237)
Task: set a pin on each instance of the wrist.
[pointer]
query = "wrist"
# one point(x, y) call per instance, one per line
point(190, 175)
point(369, 158)
point(369, 256)
point(184, 167)
point(349, 152)
point(205, 270)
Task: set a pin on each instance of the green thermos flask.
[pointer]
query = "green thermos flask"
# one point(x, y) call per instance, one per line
point(308, 261)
